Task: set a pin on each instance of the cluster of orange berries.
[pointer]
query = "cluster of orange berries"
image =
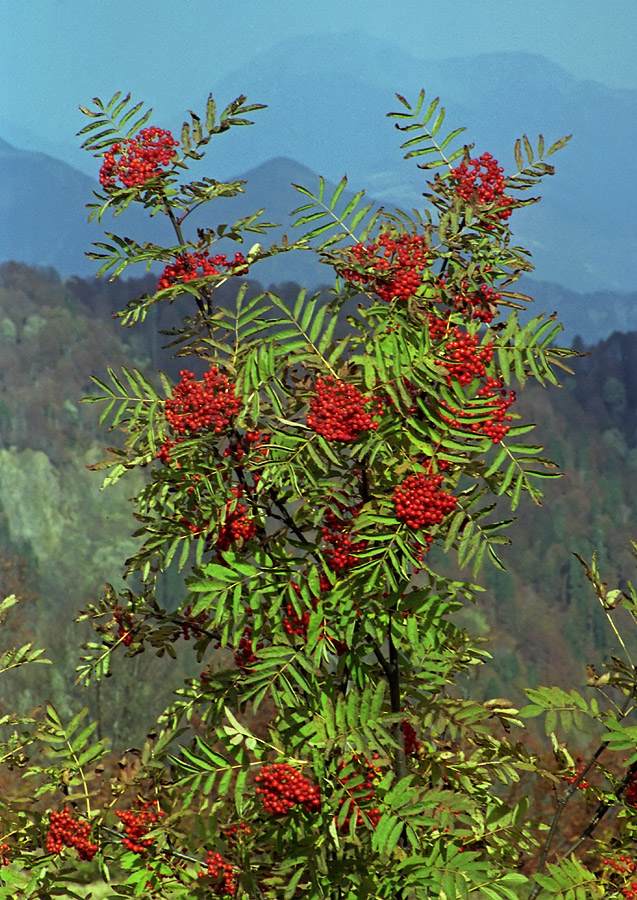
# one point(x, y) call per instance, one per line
point(339, 411)
point(631, 791)
point(419, 501)
point(624, 865)
point(496, 398)
point(196, 405)
point(124, 622)
point(245, 656)
point(5, 854)
point(192, 626)
point(233, 830)
point(479, 305)
point(466, 362)
point(483, 181)
point(341, 553)
point(412, 744)
point(65, 831)
point(282, 788)
point(362, 793)
point(188, 266)
point(137, 823)
point(296, 624)
point(571, 779)
point(251, 440)
point(464, 358)
point(223, 872)
point(394, 265)
point(238, 526)
point(135, 161)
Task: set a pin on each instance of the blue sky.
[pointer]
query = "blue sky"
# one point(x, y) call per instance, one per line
point(56, 54)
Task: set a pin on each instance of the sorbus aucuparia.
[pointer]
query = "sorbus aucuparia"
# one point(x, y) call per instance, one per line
point(482, 181)
point(223, 872)
point(133, 162)
point(419, 501)
point(342, 551)
point(197, 406)
point(65, 831)
point(245, 655)
point(125, 623)
point(188, 266)
point(137, 823)
point(393, 266)
point(282, 787)
point(362, 793)
point(340, 412)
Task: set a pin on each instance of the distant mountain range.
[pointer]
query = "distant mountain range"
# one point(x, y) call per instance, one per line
point(582, 235)
point(43, 222)
point(332, 118)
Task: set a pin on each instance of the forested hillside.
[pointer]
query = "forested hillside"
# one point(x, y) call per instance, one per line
point(61, 539)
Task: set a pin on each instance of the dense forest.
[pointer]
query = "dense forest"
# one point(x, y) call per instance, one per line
point(61, 538)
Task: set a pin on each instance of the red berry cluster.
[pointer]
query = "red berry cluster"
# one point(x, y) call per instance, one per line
point(196, 406)
point(188, 266)
point(571, 779)
point(163, 454)
point(250, 441)
point(395, 265)
point(135, 161)
point(339, 411)
point(283, 788)
point(479, 305)
point(466, 362)
point(624, 865)
point(233, 830)
point(464, 358)
point(192, 626)
point(223, 872)
point(295, 624)
point(124, 622)
point(254, 444)
point(65, 831)
point(238, 526)
point(412, 744)
point(497, 398)
point(195, 527)
point(362, 794)
point(245, 656)
point(631, 791)
point(5, 854)
point(137, 823)
point(419, 501)
point(342, 551)
point(482, 180)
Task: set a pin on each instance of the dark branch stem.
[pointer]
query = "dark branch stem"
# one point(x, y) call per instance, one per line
point(176, 225)
point(396, 706)
point(391, 671)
